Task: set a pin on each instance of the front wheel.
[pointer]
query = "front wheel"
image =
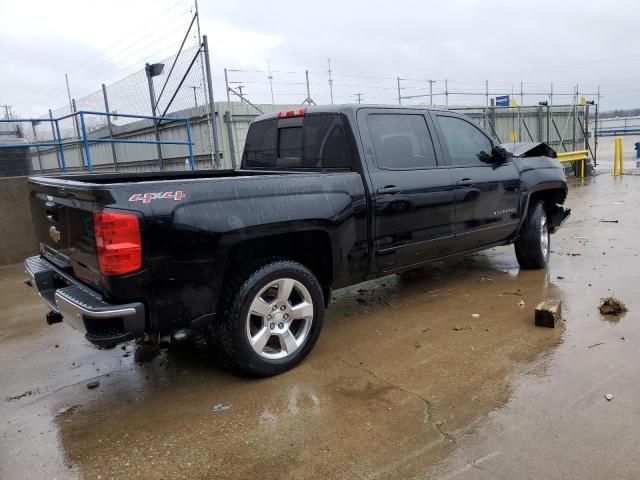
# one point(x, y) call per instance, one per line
point(272, 317)
point(533, 245)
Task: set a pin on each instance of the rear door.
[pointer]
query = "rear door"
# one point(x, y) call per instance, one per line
point(486, 195)
point(412, 188)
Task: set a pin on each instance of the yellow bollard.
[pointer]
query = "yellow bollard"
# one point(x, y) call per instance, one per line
point(615, 157)
point(621, 154)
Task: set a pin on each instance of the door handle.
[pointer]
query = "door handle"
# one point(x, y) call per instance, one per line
point(465, 182)
point(389, 190)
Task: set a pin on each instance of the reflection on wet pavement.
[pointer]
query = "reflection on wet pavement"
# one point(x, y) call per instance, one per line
point(441, 377)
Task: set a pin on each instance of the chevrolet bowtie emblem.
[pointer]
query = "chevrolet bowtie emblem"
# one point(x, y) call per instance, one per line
point(54, 233)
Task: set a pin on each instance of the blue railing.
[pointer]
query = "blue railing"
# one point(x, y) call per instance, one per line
point(615, 131)
point(85, 140)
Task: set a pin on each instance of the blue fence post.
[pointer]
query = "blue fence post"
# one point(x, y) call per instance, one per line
point(85, 142)
point(60, 147)
point(191, 159)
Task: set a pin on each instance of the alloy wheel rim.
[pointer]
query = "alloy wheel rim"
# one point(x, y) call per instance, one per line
point(544, 236)
point(279, 319)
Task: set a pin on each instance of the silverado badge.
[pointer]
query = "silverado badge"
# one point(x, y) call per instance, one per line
point(54, 233)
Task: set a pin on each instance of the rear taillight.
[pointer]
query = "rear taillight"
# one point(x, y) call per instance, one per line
point(117, 242)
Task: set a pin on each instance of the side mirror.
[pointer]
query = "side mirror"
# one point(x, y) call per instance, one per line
point(499, 154)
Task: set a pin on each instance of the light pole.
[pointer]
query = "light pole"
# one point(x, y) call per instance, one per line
point(153, 70)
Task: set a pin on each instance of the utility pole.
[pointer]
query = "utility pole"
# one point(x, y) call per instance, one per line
point(446, 93)
point(359, 95)
point(308, 100)
point(431, 82)
point(486, 90)
point(399, 92)
point(7, 111)
point(330, 81)
point(270, 77)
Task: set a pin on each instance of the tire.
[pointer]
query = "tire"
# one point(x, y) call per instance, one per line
point(534, 243)
point(258, 340)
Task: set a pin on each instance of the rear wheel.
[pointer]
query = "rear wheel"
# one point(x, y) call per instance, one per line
point(272, 317)
point(534, 243)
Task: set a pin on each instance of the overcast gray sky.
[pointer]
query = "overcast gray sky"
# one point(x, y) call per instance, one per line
point(466, 41)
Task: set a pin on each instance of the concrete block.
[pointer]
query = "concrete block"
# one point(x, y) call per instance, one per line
point(548, 313)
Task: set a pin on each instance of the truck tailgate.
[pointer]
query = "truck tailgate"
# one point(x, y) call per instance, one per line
point(63, 224)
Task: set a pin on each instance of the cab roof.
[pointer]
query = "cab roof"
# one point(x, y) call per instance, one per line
point(341, 108)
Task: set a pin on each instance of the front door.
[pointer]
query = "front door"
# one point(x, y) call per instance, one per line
point(412, 190)
point(486, 194)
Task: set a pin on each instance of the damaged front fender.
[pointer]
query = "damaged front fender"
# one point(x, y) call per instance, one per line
point(556, 216)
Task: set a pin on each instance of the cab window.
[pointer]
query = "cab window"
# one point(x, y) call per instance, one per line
point(401, 141)
point(466, 143)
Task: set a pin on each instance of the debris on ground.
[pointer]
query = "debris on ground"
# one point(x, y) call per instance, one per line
point(94, 384)
point(521, 303)
point(220, 407)
point(486, 279)
point(475, 315)
point(608, 396)
point(67, 409)
point(28, 393)
point(560, 277)
point(458, 328)
point(418, 344)
point(548, 313)
point(612, 306)
point(596, 345)
point(516, 293)
point(609, 221)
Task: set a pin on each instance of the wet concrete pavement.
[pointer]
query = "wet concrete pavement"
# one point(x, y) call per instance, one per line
point(405, 381)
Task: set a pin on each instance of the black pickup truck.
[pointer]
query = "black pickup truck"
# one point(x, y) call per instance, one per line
point(326, 197)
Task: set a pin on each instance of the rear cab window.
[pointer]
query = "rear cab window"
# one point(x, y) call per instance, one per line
point(312, 141)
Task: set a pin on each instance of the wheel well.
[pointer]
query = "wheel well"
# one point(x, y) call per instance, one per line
point(551, 196)
point(310, 248)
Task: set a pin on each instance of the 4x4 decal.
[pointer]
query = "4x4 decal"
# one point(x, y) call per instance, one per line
point(147, 197)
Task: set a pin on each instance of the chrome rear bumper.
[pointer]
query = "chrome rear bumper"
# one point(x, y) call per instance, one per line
point(82, 308)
